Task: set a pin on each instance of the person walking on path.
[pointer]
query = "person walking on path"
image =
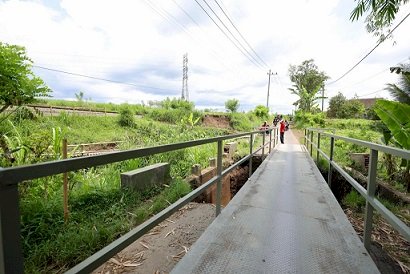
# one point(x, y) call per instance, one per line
point(282, 131)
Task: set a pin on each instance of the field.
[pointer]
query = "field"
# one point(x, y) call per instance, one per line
point(99, 210)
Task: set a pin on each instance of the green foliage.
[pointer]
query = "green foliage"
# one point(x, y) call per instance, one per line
point(306, 119)
point(232, 105)
point(261, 112)
point(190, 120)
point(126, 118)
point(381, 15)
point(336, 104)
point(177, 103)
point(354, 200)
point(242, 122)
point(401, 91)
point(339, 107)
point(23, 113)
point(18, 83)
point(307, 100)
point(396, 117)
point(96, 219)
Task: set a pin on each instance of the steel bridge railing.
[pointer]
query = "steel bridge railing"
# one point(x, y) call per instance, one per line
point(11, 255)
point(372, 203)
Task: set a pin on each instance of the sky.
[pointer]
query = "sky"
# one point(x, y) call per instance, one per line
point(139, 45)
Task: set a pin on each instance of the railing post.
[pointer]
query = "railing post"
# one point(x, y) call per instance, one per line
point(219, 181)
point(311, 143)
point(318, 147)
point(329, 174)
point(371, 190)
point(263, 145)
point(304, 137)
point(11, 254)
point(270, 141)
point(250, 152)
point(274, 137)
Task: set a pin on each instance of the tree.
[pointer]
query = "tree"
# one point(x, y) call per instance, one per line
point(381, 14)
point(307, 101)
point(261, 111)
point(79, 96)
point(18, 83)
point(232, 105)
point(307, 75)
point(353, 109)
point(339, 107)
point(336, 104)
point(401, 91)
point(308, 81)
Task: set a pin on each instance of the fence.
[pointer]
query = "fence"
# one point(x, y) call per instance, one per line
point(11, 255)
point(372, 203)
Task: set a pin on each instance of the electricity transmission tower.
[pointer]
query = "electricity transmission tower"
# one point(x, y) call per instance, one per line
point(185, 94)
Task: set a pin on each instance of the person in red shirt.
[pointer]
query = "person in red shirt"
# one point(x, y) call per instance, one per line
point(282, 131)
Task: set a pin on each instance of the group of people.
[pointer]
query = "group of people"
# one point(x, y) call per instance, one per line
point(283, 126)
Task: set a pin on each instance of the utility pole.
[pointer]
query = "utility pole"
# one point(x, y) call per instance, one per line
point(267, 99)
point(185, 94)
point(323, 96)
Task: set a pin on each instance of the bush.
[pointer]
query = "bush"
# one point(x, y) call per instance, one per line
point(241, 121)
point(126, 118)
point(23, 113)
point(306, 119)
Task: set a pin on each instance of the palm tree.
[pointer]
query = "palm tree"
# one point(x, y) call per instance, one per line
point(401, 91)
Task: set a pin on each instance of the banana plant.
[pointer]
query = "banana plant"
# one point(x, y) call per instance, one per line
point(396, 117)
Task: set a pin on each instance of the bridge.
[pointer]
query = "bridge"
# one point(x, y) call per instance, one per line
point(284, 219)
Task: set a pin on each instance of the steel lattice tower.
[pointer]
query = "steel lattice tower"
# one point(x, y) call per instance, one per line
point(185, 94)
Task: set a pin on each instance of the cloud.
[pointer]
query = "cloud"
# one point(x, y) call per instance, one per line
point(142, 43)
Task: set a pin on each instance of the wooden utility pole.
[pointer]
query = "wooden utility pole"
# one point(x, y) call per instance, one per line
point(267, 99)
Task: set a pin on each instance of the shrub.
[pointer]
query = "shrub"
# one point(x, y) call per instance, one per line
point(23, 113)
point(126, 118)
point(306, 119)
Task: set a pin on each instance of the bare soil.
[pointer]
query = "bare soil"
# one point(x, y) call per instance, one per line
point(160, 250)
point(218, 121)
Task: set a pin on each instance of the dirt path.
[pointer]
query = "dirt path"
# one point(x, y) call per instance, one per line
point(161, 249)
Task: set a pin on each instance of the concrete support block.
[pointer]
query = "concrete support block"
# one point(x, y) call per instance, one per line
point(146, 177)
point(230, 149)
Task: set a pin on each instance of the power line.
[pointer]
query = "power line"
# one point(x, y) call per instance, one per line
point(167, 16)
point(381, 41)
point(224, 33)
point(233, 36)
point(240, 34)
point(100, 79)
point(367, 94)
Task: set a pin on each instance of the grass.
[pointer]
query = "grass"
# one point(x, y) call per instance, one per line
point(99, 210)
point(96, 219)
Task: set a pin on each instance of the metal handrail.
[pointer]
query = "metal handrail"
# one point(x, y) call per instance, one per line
point(372, 203)
point(11, 258)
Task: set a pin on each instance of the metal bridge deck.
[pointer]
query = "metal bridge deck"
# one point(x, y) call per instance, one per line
point(285, 219)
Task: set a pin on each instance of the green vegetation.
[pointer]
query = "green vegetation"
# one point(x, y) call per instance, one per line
point(381, 14)
point(339, 107)
point(232, 105)
point(18, 83)
point(307, 82)
point(99, 210)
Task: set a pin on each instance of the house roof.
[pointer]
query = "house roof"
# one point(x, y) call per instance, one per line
point(367, 102)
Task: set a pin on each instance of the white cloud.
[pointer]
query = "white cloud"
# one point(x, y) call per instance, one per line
point(130, 41)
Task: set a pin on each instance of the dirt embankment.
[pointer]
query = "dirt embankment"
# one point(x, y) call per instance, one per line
point(218, 121)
